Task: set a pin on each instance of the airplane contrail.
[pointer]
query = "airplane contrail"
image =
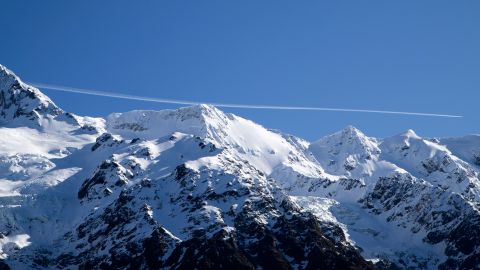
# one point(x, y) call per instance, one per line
point(226, 105)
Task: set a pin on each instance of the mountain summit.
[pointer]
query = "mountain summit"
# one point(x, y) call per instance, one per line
point(19, 101)
point(200, 120)
point(197, 188)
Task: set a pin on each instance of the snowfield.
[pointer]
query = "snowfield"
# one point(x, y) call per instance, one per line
point(199, 188)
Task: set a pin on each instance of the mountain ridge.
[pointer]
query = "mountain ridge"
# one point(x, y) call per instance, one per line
point(176, 188)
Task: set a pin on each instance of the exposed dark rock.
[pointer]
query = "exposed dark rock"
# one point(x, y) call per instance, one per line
point(217, 252)
point(476, 159)
point(131, 126)
point(97, 184)
point(104, 139)
point(466, 236)
point(386, 265)
point(181, 171)
point(4, 266)
point(24, 101)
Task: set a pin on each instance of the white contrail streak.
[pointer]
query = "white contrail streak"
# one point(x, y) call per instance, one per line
point(225, 105)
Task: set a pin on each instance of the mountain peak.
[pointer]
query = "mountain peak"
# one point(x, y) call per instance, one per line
point(199, 181)
point(352, 131)
point(403, 139)
point(199, 120)
point(335, 152)
point(410, 133)
point(202, 111)
point(347, 136)
point(21, 101)
point(203, 107)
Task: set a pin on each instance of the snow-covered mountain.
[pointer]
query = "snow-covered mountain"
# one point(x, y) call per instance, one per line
point(199, 188)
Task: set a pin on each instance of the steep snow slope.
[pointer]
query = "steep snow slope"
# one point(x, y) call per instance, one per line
point(169, 189)
point(268, 151)
point(429, 160)
point(353, 158)
point(34, 135)
point(195, 187)
point(21, 102)
point(414, 188)
point(467, 148)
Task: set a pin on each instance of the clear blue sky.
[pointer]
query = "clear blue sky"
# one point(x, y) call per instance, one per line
point(388, 55)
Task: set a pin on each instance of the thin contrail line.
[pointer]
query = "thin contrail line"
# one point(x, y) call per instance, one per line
point(225, 105)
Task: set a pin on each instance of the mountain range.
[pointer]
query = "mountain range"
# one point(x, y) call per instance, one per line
point(197, 188)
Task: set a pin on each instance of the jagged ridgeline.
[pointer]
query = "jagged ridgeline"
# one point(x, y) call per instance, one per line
point(196, 188)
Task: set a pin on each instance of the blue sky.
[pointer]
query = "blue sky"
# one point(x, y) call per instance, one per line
point(419, 56)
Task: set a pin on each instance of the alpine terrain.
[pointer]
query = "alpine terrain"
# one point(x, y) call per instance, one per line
point(196, 188)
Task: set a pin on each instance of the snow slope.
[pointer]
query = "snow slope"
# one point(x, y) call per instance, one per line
point(198, 188)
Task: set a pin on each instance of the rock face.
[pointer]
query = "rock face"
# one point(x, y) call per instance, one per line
point(195, 188)
point(230, 216)
point(21, 101)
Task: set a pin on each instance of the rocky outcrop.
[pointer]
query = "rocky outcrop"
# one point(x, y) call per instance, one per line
point(21, 101)
point(198, 188)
